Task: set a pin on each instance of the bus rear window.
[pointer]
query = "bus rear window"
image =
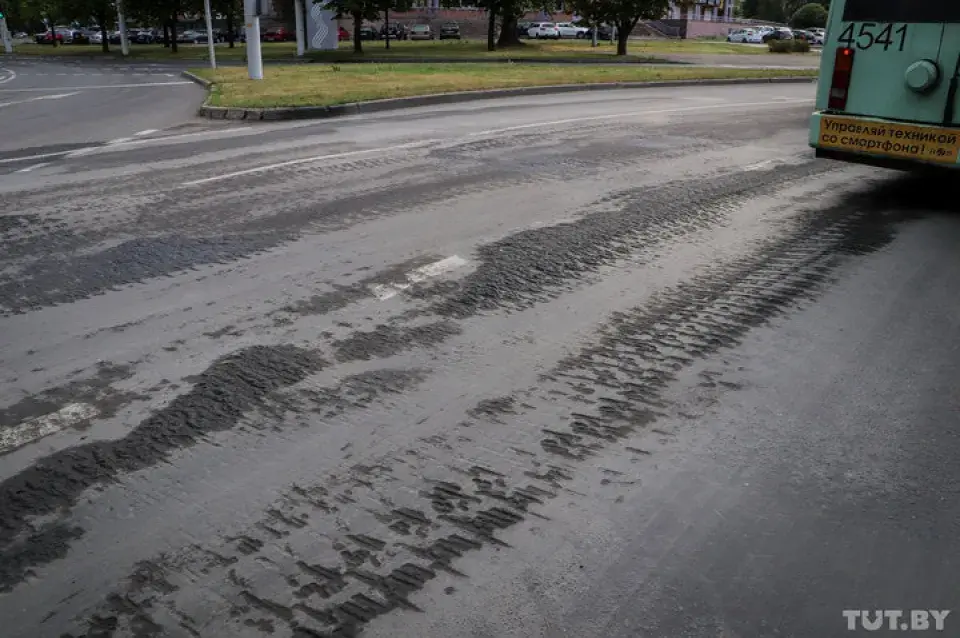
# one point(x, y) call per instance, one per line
point(901, 11)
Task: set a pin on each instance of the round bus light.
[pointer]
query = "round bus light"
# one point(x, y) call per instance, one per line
point(922, 76)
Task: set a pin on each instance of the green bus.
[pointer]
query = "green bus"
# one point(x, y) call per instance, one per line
point(889, 74)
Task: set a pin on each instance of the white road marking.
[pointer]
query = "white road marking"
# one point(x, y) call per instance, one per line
point(11, 160)
point(307, 160)
point(35, 166)
point(610, 116)
point(520, 127)
point(11, 76)
point(130, 142)
point(41, 426)
point(759, 166)
point(125, 140)
point(100, 86)
point(42, 97)
point(437, 268)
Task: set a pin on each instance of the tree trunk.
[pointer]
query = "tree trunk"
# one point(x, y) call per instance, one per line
point(491, 28)
point(105, 41)
point(508, 32)
point(166, 35)
point(173, 33)
point(386, 27)
point(623, 32)
point(230, 28)
point(357, 25)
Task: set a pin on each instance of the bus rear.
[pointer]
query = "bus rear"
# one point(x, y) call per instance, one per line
point(889, 75)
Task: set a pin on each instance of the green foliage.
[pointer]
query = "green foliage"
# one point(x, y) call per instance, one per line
point(623, 14)
point(776, 10)
point(788, 46)
point(809, 16)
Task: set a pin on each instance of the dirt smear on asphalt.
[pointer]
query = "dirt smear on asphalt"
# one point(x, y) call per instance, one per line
point(220, 396)
point(618, 382)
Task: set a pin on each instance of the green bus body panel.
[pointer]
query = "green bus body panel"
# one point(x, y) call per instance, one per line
point(878, 88)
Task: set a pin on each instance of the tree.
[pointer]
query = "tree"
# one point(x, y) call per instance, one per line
point(230, 10)
point(392, 5)
point(102, 11)
point(359, 10)
point(809, 16)
point(623, 14)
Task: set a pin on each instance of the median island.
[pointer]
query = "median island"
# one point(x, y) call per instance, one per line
point(333, 84)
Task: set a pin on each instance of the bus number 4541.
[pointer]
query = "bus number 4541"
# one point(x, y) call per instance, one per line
point(867, 37)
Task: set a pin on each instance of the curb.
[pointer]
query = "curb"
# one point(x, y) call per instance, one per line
point(375, 106)
point(193, 77)
point(613, 60)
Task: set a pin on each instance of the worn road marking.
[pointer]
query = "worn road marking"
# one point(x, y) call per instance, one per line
point(41, 426)
point(99, 86)
point(9, 77)
point(610, 116)
point(387, 149)
point(759, 166)
point(58, 96)
point(10, 160)
point(124, 140)
point(437, 268)
point(307, 160)
point(34, 167)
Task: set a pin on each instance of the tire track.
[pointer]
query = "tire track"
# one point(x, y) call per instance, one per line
point(332, 575)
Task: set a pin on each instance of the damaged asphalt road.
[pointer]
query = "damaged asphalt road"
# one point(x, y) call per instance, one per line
point(616, 366)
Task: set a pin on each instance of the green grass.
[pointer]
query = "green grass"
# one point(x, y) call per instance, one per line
point(638, 50)
point(323, 85)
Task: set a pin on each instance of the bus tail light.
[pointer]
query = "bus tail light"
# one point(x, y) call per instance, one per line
point(840, 85)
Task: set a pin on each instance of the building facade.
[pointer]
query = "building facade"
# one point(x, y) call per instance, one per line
point(706, 10)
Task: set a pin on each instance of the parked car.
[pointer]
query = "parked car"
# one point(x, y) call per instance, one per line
point(369, 33)
point(780, 33)
point(78, 36)
point(278, 34)
point(544, 31)
point(421, 32)
point(604, 32)
point(522, 27)
point(396, 31)
point(96, 38)
point(740, 35)
point(342, 34)
point(450, 31)
point(817, 36)
point(47, 38)
point(570, 30)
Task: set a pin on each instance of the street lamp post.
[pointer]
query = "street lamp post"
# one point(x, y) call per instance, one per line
point(209, 19)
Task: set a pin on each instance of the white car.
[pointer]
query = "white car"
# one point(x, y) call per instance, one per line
point(544, 30)
point(739, 35)
point(756, 35)
point(570, 30)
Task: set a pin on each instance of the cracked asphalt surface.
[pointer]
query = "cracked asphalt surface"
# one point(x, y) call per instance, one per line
point(623, 365)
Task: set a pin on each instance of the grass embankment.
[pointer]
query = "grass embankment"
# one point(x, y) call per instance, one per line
point(324, 85)
point(638, 50)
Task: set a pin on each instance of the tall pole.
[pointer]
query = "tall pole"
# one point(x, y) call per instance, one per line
point(300, 26)
point(5, 36)
point(209, 18)
point(251, 9)
point(122, 23)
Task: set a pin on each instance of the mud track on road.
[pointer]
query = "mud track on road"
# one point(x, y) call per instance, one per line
point(343, 550)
